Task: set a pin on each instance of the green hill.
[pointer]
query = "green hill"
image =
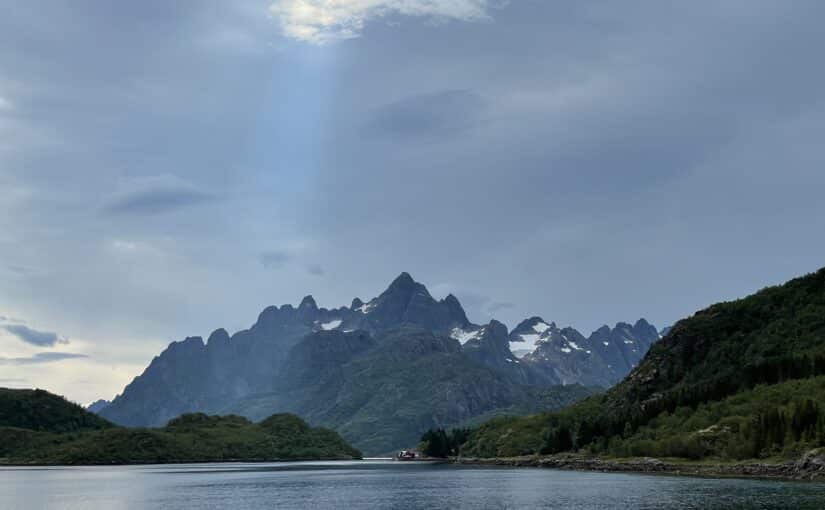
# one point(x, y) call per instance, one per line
point(738, 380)
point(37, 427)
point(43, 411)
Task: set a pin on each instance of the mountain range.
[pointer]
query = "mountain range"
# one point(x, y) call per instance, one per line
point(380, 372)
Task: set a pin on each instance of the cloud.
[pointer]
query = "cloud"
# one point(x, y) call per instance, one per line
point(315, 269)
point(322, 21)
point(33, 336)
point(41, 358)
point(434, 114)
point(5, 104)
point(274, 259)
point(279, 259)
point(155, 195)
point(500, 305)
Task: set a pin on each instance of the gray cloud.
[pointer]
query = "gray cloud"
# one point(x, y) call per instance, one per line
point(274, 258)
point(435, 114)
point(280, 259)
point(33, 336)
point(315, 269)
point(563, 157)
point(155, 195)
point(41, 358)
point(498, 306)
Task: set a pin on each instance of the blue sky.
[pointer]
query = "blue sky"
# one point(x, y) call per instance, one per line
point(168, 170)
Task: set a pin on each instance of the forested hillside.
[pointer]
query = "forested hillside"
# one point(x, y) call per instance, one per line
point(42, 411)
point(742, 379)
point(37, 427)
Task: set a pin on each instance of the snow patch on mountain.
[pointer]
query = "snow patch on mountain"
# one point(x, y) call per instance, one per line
point(464, 336)
point(366, 307)
point(541, 327)
point(528, 344)
point(334, 324)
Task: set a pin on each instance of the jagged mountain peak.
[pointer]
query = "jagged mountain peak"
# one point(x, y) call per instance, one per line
point(269, 311)
point(534, 324)
point(497, 327)
point(490, 346)
point(404, 301)
point(404, 288)
point(219, 335)
point(604, 329)
point(404, 283)
point(308, 303)
point(455, 309)
point(407, 301)
point(527, 336)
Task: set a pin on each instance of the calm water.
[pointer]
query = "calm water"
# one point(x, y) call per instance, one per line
point(376, 484)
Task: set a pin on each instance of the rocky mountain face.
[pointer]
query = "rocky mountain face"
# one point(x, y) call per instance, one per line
point(602, 359)
point(380, 372)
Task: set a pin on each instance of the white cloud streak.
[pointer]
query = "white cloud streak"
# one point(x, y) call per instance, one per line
point(323, 21)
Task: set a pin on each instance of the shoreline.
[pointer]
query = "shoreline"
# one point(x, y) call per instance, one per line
point(34, 464)
point(810, 468)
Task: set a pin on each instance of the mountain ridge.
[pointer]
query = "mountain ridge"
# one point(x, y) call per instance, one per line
point(254, 371)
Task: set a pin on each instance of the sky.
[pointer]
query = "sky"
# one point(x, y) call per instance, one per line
point(169, 168)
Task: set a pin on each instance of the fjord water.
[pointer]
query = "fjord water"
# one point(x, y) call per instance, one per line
point(381, 484)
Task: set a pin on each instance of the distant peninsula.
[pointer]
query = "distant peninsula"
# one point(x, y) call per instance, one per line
point(39, 428)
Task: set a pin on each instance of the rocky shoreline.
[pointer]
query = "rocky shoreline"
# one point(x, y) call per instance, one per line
point(810, 467)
